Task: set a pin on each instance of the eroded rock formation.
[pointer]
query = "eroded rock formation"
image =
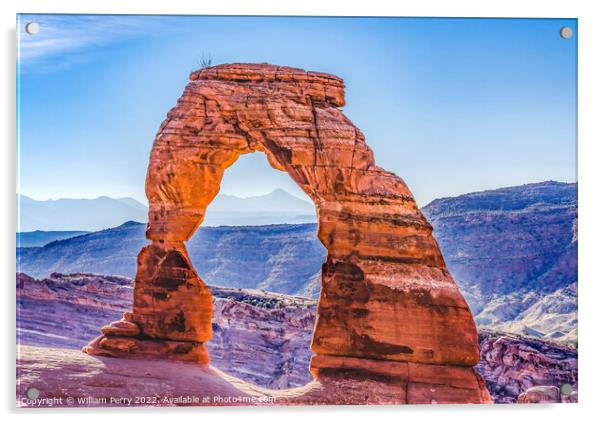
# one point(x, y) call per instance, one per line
point(511, 365)
point(388, 309)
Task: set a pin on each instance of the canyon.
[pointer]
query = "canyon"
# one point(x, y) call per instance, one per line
point(260, 338)
point(505, 286)
point(513, 252)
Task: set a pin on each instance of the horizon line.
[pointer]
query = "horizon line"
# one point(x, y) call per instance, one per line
point(306, 199)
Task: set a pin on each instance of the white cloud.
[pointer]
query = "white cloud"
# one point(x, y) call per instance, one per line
point(67, 35)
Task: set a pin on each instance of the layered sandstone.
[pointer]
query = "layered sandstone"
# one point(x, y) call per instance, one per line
point(387, 299)
point(172, 310)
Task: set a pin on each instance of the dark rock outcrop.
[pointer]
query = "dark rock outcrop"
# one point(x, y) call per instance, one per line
point(542, 394)
point(547, 394)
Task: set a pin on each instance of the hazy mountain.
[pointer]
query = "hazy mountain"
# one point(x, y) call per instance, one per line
point(278, 200)
point(277, 207)
point(77, 214)
point(41, 238)
point(512, 251)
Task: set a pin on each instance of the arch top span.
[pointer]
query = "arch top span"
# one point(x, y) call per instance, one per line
point(228, 110)
point(317, 85)
point(387, 299)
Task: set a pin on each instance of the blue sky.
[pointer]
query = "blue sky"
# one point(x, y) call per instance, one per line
point(450, 105)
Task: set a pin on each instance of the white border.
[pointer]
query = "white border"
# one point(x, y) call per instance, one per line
point(590, 294)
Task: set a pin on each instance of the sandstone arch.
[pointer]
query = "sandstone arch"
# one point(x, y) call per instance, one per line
point(388, 304)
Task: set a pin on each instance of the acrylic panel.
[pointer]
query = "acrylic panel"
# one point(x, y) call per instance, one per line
point(266, 211)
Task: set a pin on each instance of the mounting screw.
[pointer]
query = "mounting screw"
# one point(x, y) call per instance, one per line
point(32, 28)
point(566, 32)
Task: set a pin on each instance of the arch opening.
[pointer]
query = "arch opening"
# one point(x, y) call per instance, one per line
point(249, 258)
point(252, 193)
point(267, 241)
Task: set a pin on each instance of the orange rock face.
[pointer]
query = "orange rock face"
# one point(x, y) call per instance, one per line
point(172, 311)
point(386, 293)
point(166, 282)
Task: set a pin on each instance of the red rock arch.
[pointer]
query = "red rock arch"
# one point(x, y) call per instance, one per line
point(388, 304)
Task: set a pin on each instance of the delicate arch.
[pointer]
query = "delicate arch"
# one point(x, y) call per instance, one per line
point(387, 297)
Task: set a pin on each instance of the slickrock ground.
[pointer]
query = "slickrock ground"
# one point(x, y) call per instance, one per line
point(259, 337)
point(70, 378)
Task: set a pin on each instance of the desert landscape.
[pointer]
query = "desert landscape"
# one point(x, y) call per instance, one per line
point(263, 338)
point(471, 299)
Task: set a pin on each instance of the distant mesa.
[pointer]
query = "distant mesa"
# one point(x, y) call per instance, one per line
point(513, 252)
point(278, 258)
point(40, 238)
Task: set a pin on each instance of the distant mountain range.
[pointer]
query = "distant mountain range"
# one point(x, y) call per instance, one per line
point(512, 251)
point(277, 207)
point(279, 258)
point(77, 214)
